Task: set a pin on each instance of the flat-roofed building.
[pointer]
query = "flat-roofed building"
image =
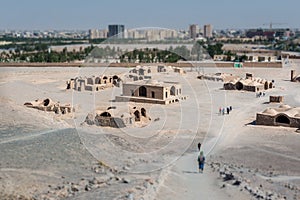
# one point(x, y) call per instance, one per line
point(193, 30)
point(116, 30)
point(284, 115)
point(208, 31)
point(151, 91)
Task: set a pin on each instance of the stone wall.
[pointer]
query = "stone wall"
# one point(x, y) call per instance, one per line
point(266, 120)
point(276, 99)
point(114, 122)
point(295, 122)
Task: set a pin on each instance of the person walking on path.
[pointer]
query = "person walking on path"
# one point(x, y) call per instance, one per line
point(199, 146)
point(227, 110)
point(223, 111)
point(220, 111)
point(201, 161)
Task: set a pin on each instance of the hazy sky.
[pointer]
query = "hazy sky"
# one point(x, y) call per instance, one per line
point(174, 14)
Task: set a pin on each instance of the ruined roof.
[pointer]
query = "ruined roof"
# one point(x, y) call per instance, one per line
point(249, 82)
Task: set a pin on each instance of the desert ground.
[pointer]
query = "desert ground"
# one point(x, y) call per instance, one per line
point(44, 155)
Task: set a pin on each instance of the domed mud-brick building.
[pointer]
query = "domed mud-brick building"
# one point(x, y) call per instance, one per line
point(284, 115)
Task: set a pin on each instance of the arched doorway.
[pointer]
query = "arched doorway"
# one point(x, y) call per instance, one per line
point(266, 85)
point(90, 81)
point(142, 91)
point(97, 80)
point(105, 114)
point(143, 112)
point(46, 102)
point(239, 86)
point(282, 119)
point(137, 116)
point(153, 94)
point(271, 85)
point(105, 79)
point(172, 91)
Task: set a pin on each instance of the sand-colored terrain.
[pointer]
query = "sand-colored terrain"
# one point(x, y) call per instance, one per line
point(45, 155)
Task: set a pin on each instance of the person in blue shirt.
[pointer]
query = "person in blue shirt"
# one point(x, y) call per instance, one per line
point(201, 161)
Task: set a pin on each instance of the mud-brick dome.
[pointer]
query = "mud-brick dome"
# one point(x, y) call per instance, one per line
point(270, 111)
point(284, 106)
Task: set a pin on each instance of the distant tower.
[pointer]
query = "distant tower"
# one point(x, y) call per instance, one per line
point(208, 31)
point(93, 33)
point(116, 30)
point(193, 31)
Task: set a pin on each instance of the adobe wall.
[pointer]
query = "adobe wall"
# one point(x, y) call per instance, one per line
point(268, 120)
point(139, 100)
point(276, 99)
point(229, 86)
point(110, 122)
point(158, 90)
point(251, 88)
point(295, 122)
point(214, 64)
point(265, 120)
point(263, 64)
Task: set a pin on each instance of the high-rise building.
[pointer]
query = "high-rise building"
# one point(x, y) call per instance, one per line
point(116, 30)
point(208, 31)
point(95, 33)
point(193, 31)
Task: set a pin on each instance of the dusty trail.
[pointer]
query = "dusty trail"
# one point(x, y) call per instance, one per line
point(185, 182)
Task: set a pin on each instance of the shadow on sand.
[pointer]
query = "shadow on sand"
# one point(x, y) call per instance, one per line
point(190, 172)
point(251, 123)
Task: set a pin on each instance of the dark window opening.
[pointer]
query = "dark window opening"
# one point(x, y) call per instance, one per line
point(97, 80)
point(137, 116)
point(266, 85)
point(46, 102)
point(172, 91)
point(153, 94)
point(143, 112)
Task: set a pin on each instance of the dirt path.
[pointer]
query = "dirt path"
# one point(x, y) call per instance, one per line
point(185, 182)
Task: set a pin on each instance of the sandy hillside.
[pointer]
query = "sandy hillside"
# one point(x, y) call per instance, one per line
point(59, 157)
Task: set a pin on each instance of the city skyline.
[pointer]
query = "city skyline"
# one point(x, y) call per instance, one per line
point(79, 15)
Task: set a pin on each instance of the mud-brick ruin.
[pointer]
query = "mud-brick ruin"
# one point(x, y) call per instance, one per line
point(50, 106)
point(146, 72)
point(94, 83)
point(117, 118)
point(249, 83)
point(151, 91)
point(294, 77)
point(276, 99)
point(284, 115)
point(223, 77)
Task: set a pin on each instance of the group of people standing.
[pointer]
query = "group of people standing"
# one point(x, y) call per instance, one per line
point(227, 110)
point(260, 94)
point(200, 159)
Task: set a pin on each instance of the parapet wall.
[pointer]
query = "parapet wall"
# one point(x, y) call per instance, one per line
point(267, 120)
point(184, 64)
point(263, 64)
